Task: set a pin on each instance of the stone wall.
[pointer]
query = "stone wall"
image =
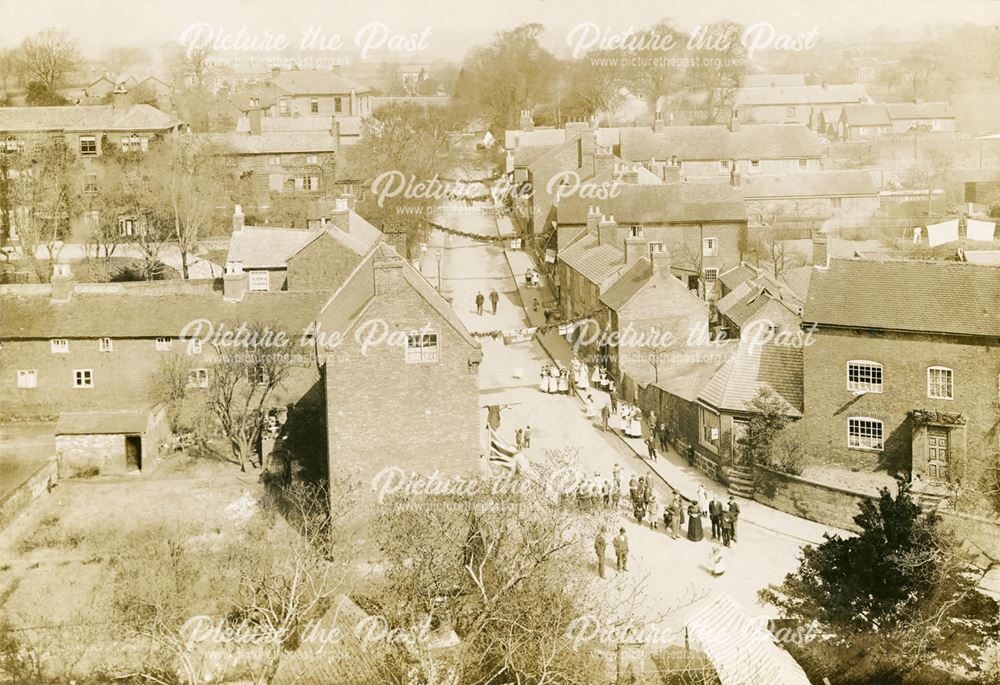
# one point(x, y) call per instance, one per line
point(33, 487)
point(807, 499)
point(80, 453)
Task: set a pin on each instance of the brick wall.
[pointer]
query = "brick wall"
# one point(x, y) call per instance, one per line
point(77, 453)
point(384, 412)
point(806, 499)
point(904, 359)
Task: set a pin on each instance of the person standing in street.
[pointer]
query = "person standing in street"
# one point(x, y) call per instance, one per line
point(494, 300)
point(715, 516)
point(526, 436)
point(734, 509)
point(605, 416)
point(655, 512)
point(616, 490)
point(702, 500)
point(479, 303)
point(600, 547)
point(621, 550)
point(518, 440)
point(664, 442)
point(727, 527)
point(651, 448)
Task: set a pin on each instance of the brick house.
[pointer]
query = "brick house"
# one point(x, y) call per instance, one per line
point(85, 128)
point(319, 93)
point(762, 301)
point(903, 374)
point(703, 225)
point(864, 122)
point(794, 104)
point(719, 152)
point(811, 195)
point(373, 421)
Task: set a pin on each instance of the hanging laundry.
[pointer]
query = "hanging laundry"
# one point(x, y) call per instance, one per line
point(944, 232)
point(980, 230)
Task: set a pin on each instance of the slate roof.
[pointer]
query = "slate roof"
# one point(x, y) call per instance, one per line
point(316, 82)
point(243, 99)
point(667, 203)
point(274, 142)
point(749, 297)
point(923, 110)
point(756, 141)
point(918, 296)
point(102, 422)
point(800, 95)
point(140, 312)
point(738, 274)
point(772, 80)
point(85, 118)
point(866, 115)
point(686, 377)
point(263, 247)
point(751, 368)
point(628, 284)
point(597, 263)
point(810, 184)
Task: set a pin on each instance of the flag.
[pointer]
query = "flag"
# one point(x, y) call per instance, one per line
point(501, 453)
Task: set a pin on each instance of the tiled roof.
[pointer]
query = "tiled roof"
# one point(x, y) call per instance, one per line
point(866, 115)
point(597, 263)
point(287, 124)
point(275, 142)
point(85, 118)
point(919, 296)
point(267, 248)
point(798, 280)
point(810, 184)
point(800, 95)
point(360, 235)
point(667, 203)
point(923, 110)
point(628, 284)
point(102, 422)
point(753, 367)
point(140, 312)
point(244, 99)
point(690, 373)
point(757, 141)
point(738, 274)
point(749, 297)
point(317, 83)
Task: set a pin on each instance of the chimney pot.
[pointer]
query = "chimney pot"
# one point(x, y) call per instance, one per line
point(238, 218)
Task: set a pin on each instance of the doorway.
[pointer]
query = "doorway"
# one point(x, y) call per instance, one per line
point(937, 453)
point(133, 452)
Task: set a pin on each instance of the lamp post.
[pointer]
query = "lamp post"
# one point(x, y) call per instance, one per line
point(440, 255)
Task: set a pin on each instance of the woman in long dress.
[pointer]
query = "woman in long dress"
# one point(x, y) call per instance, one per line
point(718, 563)
point(583, 381)
point(554, 379)
point(595, 377)
point(695, 531)
point(634, 424)
point(589, 406)
point(564, 381)
point(543, 382)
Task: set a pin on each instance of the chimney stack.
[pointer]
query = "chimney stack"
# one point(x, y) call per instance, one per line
point(63, 283)
point(636, 247)
point(527, 123)
point(593, 219)
point(340, 216)
point(119, 97)
point(821, 253)
point(660, 258)
point(607, 230)
point(254, 115)
point(235, 282)
point(238, 219)
point(658, 125)
point(348, 196)
point(734, 122)
point(588, 150)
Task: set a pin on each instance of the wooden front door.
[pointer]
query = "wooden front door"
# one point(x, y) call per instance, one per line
point(937, 453)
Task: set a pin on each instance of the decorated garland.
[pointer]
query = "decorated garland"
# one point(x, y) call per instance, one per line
point(491, 240)
point(926, 416)
point(531, 330)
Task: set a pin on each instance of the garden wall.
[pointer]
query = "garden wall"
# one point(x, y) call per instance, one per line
point(33, 487)
point(807, 499)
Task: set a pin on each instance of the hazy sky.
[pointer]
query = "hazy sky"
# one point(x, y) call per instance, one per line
point(457, 25)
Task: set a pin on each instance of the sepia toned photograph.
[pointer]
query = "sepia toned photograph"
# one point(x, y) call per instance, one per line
point(526, 343)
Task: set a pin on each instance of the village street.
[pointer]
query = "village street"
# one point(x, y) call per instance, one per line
point(674, 572)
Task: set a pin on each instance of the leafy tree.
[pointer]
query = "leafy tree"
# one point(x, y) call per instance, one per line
point(593, 87)
point(45, 60)
point(510, 74)
point(767, 419)
point(900, 591)
point(656, 76)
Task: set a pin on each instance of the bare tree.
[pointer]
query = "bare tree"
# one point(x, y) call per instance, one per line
point(242, 381)
point(47, 58)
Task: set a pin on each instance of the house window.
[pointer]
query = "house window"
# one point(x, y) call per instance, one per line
point(710, 429)
point(338, 105)
point(60, 346)
point(12, 144)
point(260, 281)
point(83, 378)
point(314, 106)
point(134, 143)
point(164, 344)
point(803, 164)
point(635, 231)
point(754, 166)
point(198, 378)
point(711, 277)
point(88, 145)
point(27, 379)
point(940, 383)
point(126, 226)
point(655, 248)
point(312, 159)
point(307, 183)
point(724, 166)
point(864, 433)
point(283, 107)
point(104, 345)
point(836, 202)
point(90, 183)
point(274, 160)
point(864, 376)
point(421, 347)
point(710, 247)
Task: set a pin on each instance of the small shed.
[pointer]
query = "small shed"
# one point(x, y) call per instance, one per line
point(108, 442)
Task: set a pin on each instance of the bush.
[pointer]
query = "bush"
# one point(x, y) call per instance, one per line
point(786, 453)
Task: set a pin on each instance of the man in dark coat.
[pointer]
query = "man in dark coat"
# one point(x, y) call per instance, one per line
point(651, 447)
point(479, 303)
point(715, 515)
point(600, 546)
point(734, 509)
point(494, 300)
point(664, 437)
point(605, 416)
point(727, 527)
point(620, 544)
